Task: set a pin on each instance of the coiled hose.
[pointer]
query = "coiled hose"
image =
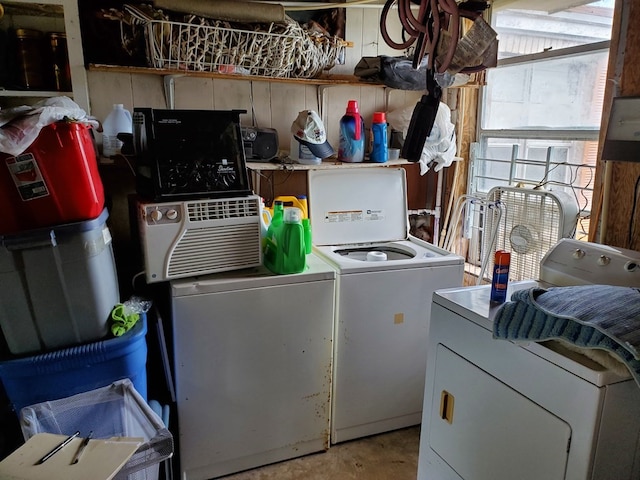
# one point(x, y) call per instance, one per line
point(425, 29)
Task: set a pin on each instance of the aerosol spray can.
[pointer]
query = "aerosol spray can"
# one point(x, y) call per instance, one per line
point(500, 280)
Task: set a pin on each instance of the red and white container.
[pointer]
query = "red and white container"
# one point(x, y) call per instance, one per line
point(54, 181)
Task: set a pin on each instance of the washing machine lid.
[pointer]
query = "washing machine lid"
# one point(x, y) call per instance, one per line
point(358, 205)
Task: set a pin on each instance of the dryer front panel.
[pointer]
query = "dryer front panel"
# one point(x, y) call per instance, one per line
point(486, 430)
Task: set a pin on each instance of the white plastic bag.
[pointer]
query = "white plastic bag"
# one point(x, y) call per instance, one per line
point(20, 126)
point(439, 149)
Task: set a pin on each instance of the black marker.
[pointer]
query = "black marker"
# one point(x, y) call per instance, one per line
point(81, 448)
point(58, 448)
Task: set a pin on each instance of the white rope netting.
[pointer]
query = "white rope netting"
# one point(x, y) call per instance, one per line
point(208, 45)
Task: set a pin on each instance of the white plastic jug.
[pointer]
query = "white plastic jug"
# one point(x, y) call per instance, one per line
point(118, 121)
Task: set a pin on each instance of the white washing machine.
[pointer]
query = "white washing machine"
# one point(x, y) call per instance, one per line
point(252, 357)
point(385, 281)
point(497, 410)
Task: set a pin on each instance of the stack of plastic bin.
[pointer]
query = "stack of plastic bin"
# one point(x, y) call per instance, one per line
point(116, 410)
point(58, 274)
point(57, 269)
point(61, 373)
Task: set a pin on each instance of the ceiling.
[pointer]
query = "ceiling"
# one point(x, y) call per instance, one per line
point(550, 6)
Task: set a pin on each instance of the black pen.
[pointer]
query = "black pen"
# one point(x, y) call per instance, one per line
point(81, 448)
point(58, 448)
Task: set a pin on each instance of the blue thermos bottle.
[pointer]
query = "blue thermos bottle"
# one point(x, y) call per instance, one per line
point(500, 279)
point(380, 150)
point(351, 135)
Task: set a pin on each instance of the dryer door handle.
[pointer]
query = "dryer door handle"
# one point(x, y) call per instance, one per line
point(446, 406)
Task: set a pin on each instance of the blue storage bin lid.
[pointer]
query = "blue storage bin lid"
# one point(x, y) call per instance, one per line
point(49, 234)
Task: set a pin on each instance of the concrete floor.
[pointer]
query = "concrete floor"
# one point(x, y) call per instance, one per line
point(388, 456)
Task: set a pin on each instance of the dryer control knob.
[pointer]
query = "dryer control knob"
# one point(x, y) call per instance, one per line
point(603, 260)
point(578, 253)
point(156, 215)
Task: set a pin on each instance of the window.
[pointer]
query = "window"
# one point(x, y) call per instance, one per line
point(540, 111)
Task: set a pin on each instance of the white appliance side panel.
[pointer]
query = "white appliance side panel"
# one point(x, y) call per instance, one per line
point(253, 376)
point(381, 348)
point(619, 425)
point(491, 431)
point(567, 396)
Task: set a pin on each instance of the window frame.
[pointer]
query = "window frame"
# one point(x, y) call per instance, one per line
point(583, 134)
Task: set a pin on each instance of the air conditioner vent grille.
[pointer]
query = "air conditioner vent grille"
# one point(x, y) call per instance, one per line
point(221, 209)
point(216, 249)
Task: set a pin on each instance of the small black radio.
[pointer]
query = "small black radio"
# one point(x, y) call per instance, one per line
point(189, 154)
point(260, 144)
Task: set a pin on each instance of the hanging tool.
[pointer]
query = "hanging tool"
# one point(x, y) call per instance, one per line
point(424, 32)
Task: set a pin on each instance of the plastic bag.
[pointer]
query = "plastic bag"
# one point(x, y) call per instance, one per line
point(439, 149)
point(20, 126)
point(398, 72)
point(394, 72)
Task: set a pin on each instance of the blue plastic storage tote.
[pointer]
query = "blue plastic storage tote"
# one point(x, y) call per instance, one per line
point(61, 373)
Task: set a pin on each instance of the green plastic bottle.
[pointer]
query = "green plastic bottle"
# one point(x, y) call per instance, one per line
point(285, 250)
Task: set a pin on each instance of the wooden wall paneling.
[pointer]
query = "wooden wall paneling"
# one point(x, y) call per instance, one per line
point(148, 91)
point(369, 97)
point(261, 95)
point(370, 32)
point(623, 230)
point(602, 173)
point(353, 33)
point(287, 100)
point(194, 93)
point(394, 28)
point(109, 89)
point(455, 179)
point(311, 98)
point(233, 95)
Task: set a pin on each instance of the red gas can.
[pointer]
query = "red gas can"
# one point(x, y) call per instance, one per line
point(54, 181)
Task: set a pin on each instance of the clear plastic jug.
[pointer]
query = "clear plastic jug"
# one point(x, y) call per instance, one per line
point(118, 121)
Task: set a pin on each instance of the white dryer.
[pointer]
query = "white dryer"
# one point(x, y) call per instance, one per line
point(385, 281)
point(497, 410)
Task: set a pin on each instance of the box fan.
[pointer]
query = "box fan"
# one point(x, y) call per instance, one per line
point(532, 222)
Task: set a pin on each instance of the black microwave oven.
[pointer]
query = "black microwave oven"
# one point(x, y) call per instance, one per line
point(189, 154)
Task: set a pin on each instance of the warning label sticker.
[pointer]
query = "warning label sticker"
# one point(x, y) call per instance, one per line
point(353, 216)
point(27, 176)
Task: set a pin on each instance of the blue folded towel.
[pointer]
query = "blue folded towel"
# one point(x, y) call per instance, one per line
point(590, 316)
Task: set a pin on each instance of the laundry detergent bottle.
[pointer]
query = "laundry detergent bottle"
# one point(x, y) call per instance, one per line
point(380, 151)
point(351, 148)
point(284, 250)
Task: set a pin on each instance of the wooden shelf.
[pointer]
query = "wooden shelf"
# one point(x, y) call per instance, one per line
point(33, 93)
point(324, 80)
point(324, 165)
